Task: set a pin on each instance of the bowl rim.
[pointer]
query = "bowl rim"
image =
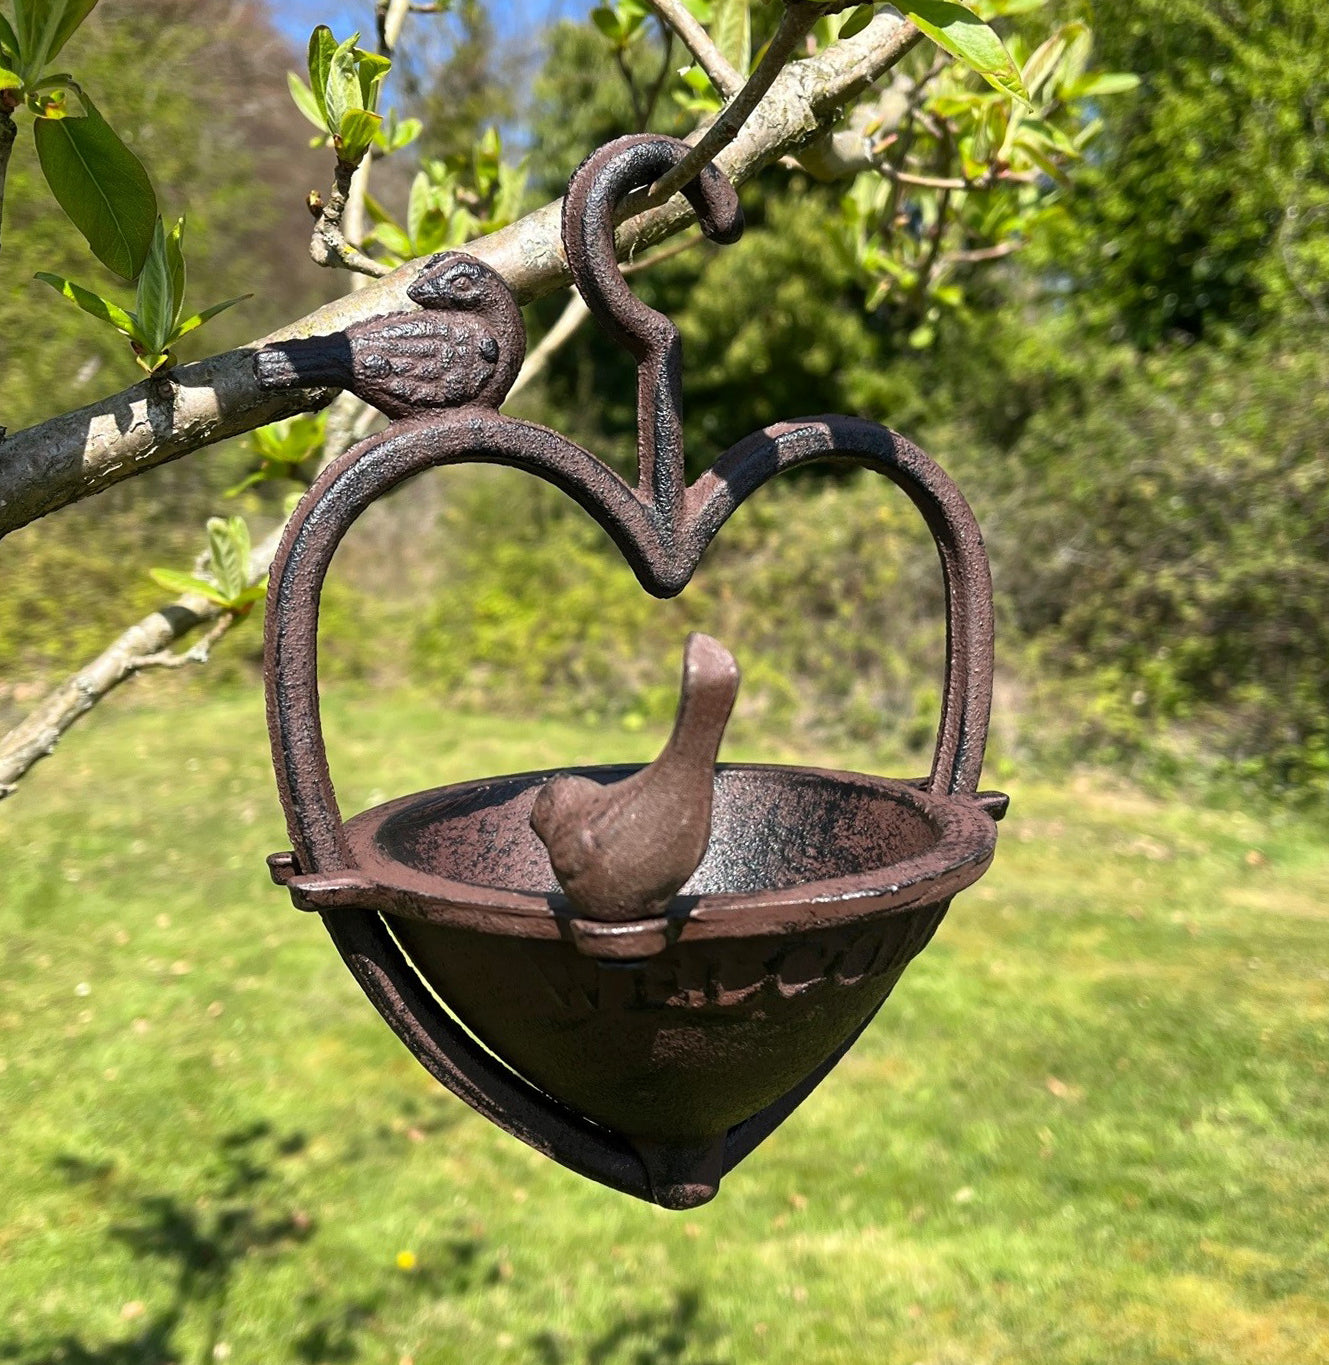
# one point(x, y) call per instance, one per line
point(965, 831)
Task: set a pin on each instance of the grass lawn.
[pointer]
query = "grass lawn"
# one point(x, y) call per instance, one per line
point(1092, 1125)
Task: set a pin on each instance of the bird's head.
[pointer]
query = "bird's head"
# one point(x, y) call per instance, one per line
point(561, 818)
point(454, 281)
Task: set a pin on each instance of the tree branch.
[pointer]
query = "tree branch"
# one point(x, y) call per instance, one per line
point(573, 315)
point(146, 644)
point(197, 653)
point(724, 77)
point(79, 453)
point(389, 16)
point(657, 86)
point(977, 255)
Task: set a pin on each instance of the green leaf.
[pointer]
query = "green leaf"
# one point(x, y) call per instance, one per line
point(390, 236)
point(175, 261)
point(1037, 152)
point(357, 130)
point(418, 203)
point(175, 581)
point(9, 40)
point(731, 31)
point(43, 28)
point(101, 185)
point(249, 481)
point(102, 309)
point(154, 306)
point(856, 22)
point(1102, 83)
point(321, 47)
point(290, 440)
point(343, 85)
point(1044, 62)
point(228, 554)
point(607, 22)
point(697, 80)
point(10, 80)
point(964, 35)
point(198, 319)
point(405, 133)
point(254, 593)
point(54, 105)
point(397, 133)
point(371, 69)
point(305, 101)
point(66, 16)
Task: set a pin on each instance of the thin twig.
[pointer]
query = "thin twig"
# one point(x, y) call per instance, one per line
point(655, 89)
point(629, 80)
point(664, 254)
point(197, 653)
point(723, 76)
point(977, 255)
point(992, 176)
point(934, 248)
point(329, 245)
point(795, 23)
point(573, 315)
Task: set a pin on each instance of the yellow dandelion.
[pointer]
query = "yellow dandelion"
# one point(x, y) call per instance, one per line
point(406, 1260)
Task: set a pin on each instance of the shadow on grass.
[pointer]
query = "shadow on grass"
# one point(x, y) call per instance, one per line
point(666, 1336)
point(202, 1240)
point(240, 1207)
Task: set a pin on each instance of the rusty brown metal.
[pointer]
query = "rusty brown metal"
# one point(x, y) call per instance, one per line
point(649, 1027)
point(464, 346)
point(622, 850)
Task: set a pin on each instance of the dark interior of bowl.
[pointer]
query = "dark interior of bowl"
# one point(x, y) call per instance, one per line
point(772, 828)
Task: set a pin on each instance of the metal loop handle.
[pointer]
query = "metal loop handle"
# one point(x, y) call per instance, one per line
point(664, 559)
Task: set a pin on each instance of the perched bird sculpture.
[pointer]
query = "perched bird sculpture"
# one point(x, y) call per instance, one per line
point(464, 347)
point(622, 850)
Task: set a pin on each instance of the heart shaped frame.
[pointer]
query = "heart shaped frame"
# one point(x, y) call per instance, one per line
point(662, 526)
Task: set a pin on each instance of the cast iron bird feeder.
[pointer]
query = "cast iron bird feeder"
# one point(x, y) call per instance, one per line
point(641, 972)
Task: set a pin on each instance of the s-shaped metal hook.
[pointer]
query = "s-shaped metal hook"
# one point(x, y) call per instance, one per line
point(595, 191)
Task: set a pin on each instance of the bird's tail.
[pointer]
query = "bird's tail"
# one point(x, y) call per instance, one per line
point(312, 362)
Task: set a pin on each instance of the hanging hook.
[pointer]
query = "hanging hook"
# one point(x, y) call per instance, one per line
point(595, 191)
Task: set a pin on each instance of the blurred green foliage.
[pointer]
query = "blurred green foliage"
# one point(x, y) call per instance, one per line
point(829, 594)
point(216, 130)
point(1134, 402)
point(1208, 212)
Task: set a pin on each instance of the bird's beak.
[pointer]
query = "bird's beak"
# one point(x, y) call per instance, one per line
point(426, 291)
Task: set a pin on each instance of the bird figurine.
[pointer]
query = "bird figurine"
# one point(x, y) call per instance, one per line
point(620, 851)
point(465, 346)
